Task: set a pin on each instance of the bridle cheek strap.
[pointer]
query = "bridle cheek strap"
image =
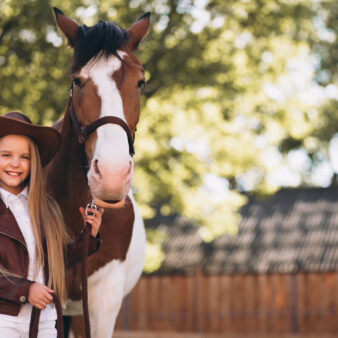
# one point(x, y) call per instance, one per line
point(84, 132)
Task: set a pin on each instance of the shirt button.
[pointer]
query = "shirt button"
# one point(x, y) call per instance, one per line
point(22, 299)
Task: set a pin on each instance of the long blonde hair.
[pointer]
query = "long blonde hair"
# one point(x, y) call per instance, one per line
point(46, 219)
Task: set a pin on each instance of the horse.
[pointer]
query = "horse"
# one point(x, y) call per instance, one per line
point(95, 162)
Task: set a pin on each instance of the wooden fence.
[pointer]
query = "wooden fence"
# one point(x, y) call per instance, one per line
point(230, 305)
point(152, 334)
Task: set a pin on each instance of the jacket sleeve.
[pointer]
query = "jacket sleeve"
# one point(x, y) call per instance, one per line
point(14, 289)
point(74, 249)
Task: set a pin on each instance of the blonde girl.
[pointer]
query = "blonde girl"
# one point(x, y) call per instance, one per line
point(34, 247)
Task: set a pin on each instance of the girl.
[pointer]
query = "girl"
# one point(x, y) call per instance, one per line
point(34, 246)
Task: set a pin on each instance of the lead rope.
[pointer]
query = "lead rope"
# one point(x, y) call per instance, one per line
point(84, 280)
point(35, 316)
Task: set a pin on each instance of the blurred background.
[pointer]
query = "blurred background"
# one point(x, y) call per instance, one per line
point(238, 121)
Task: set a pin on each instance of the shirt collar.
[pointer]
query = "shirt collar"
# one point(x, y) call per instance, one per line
point(6, 196)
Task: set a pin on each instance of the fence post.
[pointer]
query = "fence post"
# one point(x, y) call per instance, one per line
point(293, 303)
point(198, 308)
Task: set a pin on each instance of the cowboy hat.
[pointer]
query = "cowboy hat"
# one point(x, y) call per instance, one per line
point(47, 139)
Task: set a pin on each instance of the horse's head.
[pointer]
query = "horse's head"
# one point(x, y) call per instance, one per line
point(106, 81)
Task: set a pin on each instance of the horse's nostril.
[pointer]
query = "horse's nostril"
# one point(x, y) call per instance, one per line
point(96, 167)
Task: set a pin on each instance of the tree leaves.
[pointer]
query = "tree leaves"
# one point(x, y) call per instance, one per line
point(228, 82)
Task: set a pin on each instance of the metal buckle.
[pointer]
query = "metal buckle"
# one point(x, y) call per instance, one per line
point(91, 205)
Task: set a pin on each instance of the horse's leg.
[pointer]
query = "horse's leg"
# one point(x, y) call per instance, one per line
point(66, 324)
point(105, 298)
point(105, 295)
point(77, 328)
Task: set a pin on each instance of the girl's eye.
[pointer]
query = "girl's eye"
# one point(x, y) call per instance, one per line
point(141, 84)
point(4, 155)
point(26, 158)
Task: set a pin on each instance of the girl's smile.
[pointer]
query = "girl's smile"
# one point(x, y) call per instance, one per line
point(14, 162)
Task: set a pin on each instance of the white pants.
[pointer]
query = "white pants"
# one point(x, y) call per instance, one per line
point(9, 329)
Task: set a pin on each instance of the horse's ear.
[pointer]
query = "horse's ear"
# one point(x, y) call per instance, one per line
point(138, 31)
point(66, 25)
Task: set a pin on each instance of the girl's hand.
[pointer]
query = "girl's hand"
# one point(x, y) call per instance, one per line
point(94, 220)
point(39, 295)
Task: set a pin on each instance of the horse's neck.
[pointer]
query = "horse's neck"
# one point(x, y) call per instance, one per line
point(66, 181)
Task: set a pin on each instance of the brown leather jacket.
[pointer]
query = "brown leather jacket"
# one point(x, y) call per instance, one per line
point(14, 258)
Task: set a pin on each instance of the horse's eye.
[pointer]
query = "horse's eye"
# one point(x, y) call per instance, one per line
point(77, 82)
point(141, 84)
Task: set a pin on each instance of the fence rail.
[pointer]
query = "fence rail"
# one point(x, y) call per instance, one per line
point(149, 334)
point(234, 305)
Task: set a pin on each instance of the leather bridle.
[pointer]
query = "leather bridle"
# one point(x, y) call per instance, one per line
point(84, 132)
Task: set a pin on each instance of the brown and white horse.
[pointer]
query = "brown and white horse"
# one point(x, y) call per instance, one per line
point(106, 81)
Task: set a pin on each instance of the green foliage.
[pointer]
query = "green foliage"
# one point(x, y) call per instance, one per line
point(154, 253)
point(225, 103)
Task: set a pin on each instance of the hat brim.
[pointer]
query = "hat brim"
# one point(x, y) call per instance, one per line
point(47, 139)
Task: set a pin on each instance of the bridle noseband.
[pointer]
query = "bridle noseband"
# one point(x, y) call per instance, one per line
point(84, 132)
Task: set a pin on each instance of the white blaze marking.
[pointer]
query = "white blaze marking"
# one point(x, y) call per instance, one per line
point(112, 142)
point(101, 72)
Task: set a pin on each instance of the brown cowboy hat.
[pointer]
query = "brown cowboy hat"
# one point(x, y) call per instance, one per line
point(47, 139)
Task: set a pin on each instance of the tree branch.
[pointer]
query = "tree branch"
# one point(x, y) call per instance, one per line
point(6, 28)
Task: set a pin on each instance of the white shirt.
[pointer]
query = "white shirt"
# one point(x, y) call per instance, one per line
point(18, 204)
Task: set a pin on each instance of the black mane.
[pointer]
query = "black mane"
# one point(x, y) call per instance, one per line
point(104, 38)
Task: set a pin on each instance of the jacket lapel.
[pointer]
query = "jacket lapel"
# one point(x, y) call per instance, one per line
point(8, 224)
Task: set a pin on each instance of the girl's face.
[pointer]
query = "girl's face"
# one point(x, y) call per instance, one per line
point(15, 162)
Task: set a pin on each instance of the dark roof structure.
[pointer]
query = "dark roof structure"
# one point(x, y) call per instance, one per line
point(295, 230)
